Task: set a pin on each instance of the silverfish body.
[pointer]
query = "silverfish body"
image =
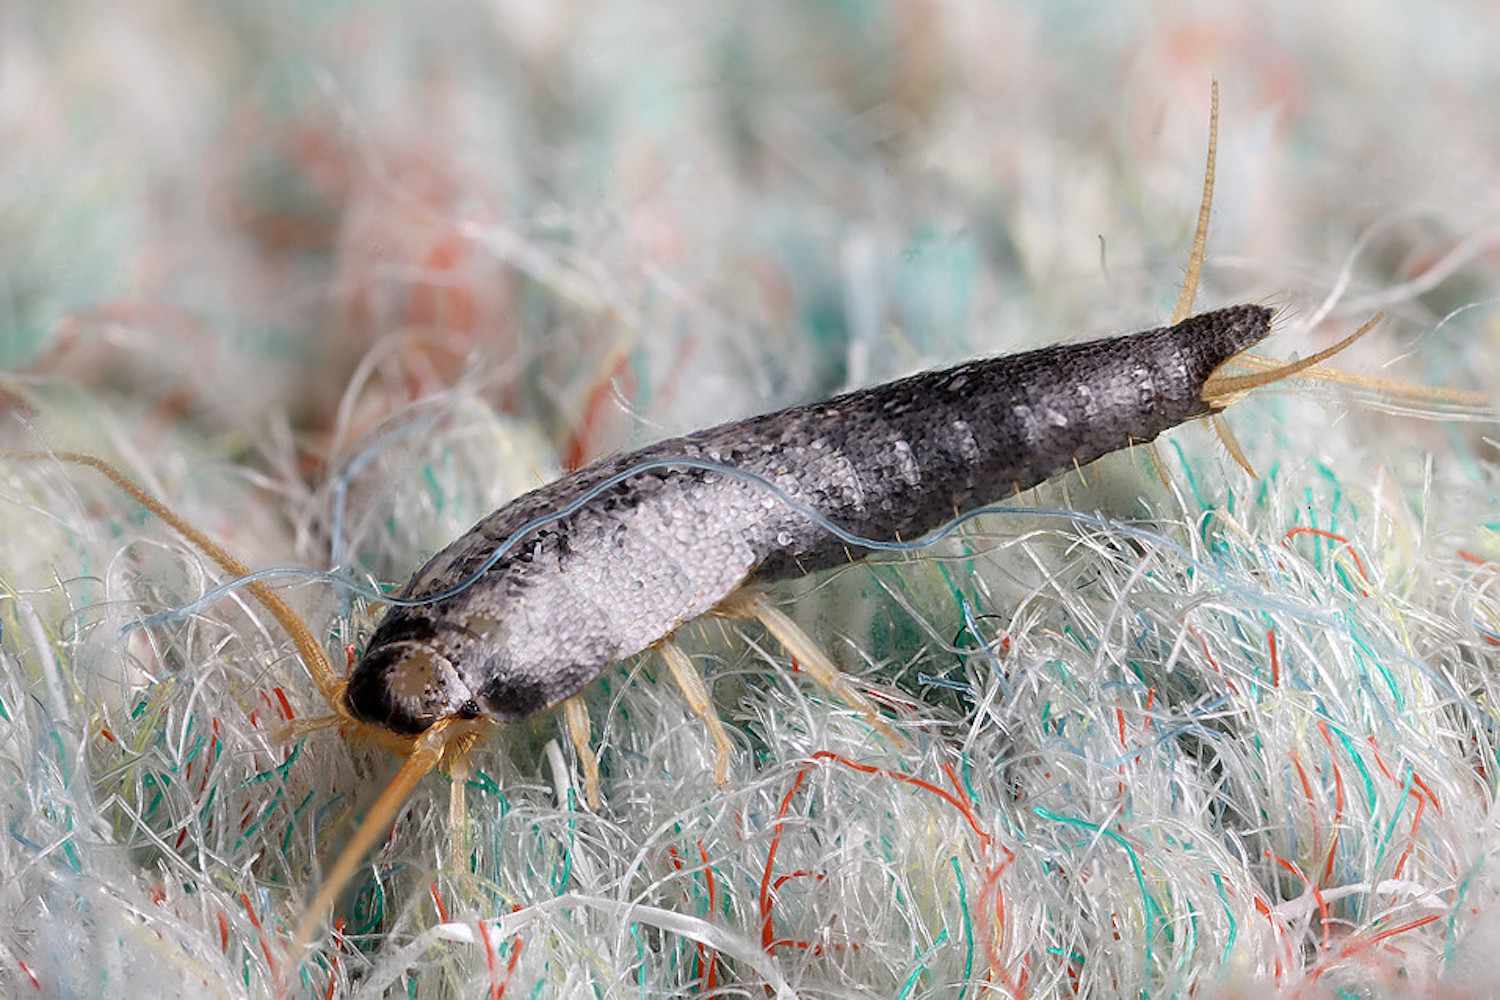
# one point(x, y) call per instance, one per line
point(665, 546)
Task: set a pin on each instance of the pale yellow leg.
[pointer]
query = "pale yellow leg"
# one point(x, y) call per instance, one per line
point(580, 732)
point(813, 660)
point(696, 692)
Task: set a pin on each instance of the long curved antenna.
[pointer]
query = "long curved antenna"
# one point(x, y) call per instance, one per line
point(426, 754)
point(1189, 290)
point(307, 646)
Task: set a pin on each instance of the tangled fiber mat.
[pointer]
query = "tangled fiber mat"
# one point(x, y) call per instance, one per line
point(335, 280)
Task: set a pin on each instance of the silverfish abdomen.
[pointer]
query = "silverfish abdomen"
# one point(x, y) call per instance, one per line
point(668, 545)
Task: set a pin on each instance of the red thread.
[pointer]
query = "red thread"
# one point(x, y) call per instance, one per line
point(1264, 910)
point(958, 788)
point(515, 958)
point(1417, 780)
point(1208, 654)
point(960, 801)
point(445, 298)
point(578, 445)
point(926, 786)
point(1413, 925)
point(1358, 563)
point(1317, 892)
point(702, 950)
point(1275, 661)
point(711, 977)
point(437, 902)
point(1379, 762)
point(36, 983)
point(1307, 793)
point(782, 880)
point(1354, 947)
point(265, 945)
point(489, 961)
point(213, 752)
point(767, 937)
point(1411, 835)
point(991, 938)
point(1338, 803)
point(1120, 728)
point(333, 958)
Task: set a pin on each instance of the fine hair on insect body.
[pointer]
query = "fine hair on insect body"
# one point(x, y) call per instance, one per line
point(524, 611)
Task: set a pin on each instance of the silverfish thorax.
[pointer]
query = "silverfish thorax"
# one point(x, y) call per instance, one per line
point(666, 546)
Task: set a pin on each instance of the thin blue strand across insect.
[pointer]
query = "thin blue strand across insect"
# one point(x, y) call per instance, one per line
point(848, 537)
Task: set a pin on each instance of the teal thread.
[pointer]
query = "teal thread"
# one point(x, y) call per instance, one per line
point(1228, 915)
point(921, 966)
point(1148, 902)
point(963, 905)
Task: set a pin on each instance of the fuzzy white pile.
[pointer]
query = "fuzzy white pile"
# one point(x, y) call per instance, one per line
point(335, 282)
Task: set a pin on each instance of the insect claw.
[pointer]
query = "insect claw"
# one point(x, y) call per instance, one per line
point(690, 681)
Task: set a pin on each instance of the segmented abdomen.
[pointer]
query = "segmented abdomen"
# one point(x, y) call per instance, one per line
point(664, 546)
point(901, 459)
